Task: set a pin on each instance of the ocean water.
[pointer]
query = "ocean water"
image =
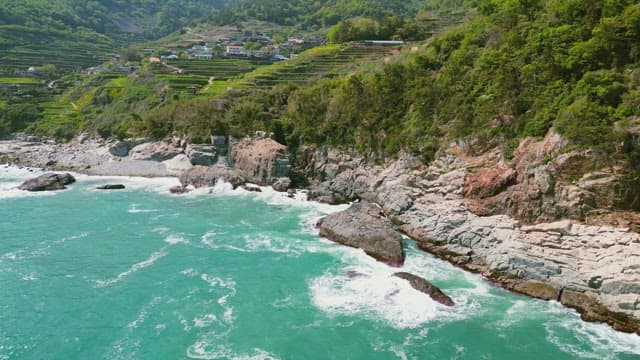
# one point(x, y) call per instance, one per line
point(222, 274)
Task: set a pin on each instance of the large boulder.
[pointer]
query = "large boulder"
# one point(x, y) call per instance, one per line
point(282, 184)
point(48, 182)
point(121, 148)
point(155, 151)
point(178, 165)
point(203, 176)
point(261, 162)
point(426, 287)
point(364, 226)
point(205, 155)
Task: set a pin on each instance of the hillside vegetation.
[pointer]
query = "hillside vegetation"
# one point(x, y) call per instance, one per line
point(518, 68)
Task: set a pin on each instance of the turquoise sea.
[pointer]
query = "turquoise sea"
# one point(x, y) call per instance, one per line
point(222, 274)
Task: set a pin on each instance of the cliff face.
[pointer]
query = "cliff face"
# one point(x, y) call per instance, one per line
point(261, 161)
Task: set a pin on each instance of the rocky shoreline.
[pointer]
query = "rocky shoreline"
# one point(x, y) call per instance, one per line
point(536, 225)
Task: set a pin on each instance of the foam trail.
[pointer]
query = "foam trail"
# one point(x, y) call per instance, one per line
point(134, 268)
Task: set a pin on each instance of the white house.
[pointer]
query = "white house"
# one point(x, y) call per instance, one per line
point(235, 50)
point(203, 56)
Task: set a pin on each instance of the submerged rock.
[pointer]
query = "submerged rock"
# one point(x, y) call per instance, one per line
point(251, 188)
point(426, 287)
point(48, 182)
point(179, 190)
point(111, 187)
point(364, 226)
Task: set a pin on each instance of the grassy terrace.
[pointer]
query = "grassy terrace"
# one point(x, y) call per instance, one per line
point(319, 62)
point(200, 73)
point(19, 81)
point(23, 47)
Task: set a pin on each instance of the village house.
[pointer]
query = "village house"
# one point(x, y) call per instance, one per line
point(95, 70)
point(30, 72)
point(235, 50)
point(127, 69)
point(295, 42)
point(203, 56)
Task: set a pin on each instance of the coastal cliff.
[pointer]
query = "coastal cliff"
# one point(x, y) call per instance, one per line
point(546, 224)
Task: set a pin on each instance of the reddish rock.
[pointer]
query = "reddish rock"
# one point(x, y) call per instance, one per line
point(179, 190)
point(488, 182)
point(261, 162)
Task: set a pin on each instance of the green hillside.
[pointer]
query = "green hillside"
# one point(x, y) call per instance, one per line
point(72, 34)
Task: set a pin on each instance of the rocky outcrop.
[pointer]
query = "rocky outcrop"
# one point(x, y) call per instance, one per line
point(594, 269)
point(202, 176)
point(155, 151)
point(205, 155)
point(426, 287)
point(282, 184)
point(542, 184)
point(122, 148)
point(261, 162)
point(364, 226)
point(111, 187)
point(48, 182)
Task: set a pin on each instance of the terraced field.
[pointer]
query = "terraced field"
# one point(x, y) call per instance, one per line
point(36, 47)
point(204, 74)
point(321, 62)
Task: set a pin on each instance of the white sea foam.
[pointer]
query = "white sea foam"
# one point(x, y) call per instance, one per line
point(204, 321)
point(144, 313)
point(594, 341)
point(30, 277)
point(134, 268)
point(368, 288)
point(174, 239)
point(161, 230)
point(160, 185)
point(133, 209)
point(12, 176)
point(375, 295)
point(203, 349)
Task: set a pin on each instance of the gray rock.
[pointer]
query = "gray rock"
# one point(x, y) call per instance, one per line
point(121, 149)
point(155, 151)
point(111, 187)
point(205, 155)
point(179, 164)
point(48, 182)
point(364, 226)
point(282, 184)
point(202, 176)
